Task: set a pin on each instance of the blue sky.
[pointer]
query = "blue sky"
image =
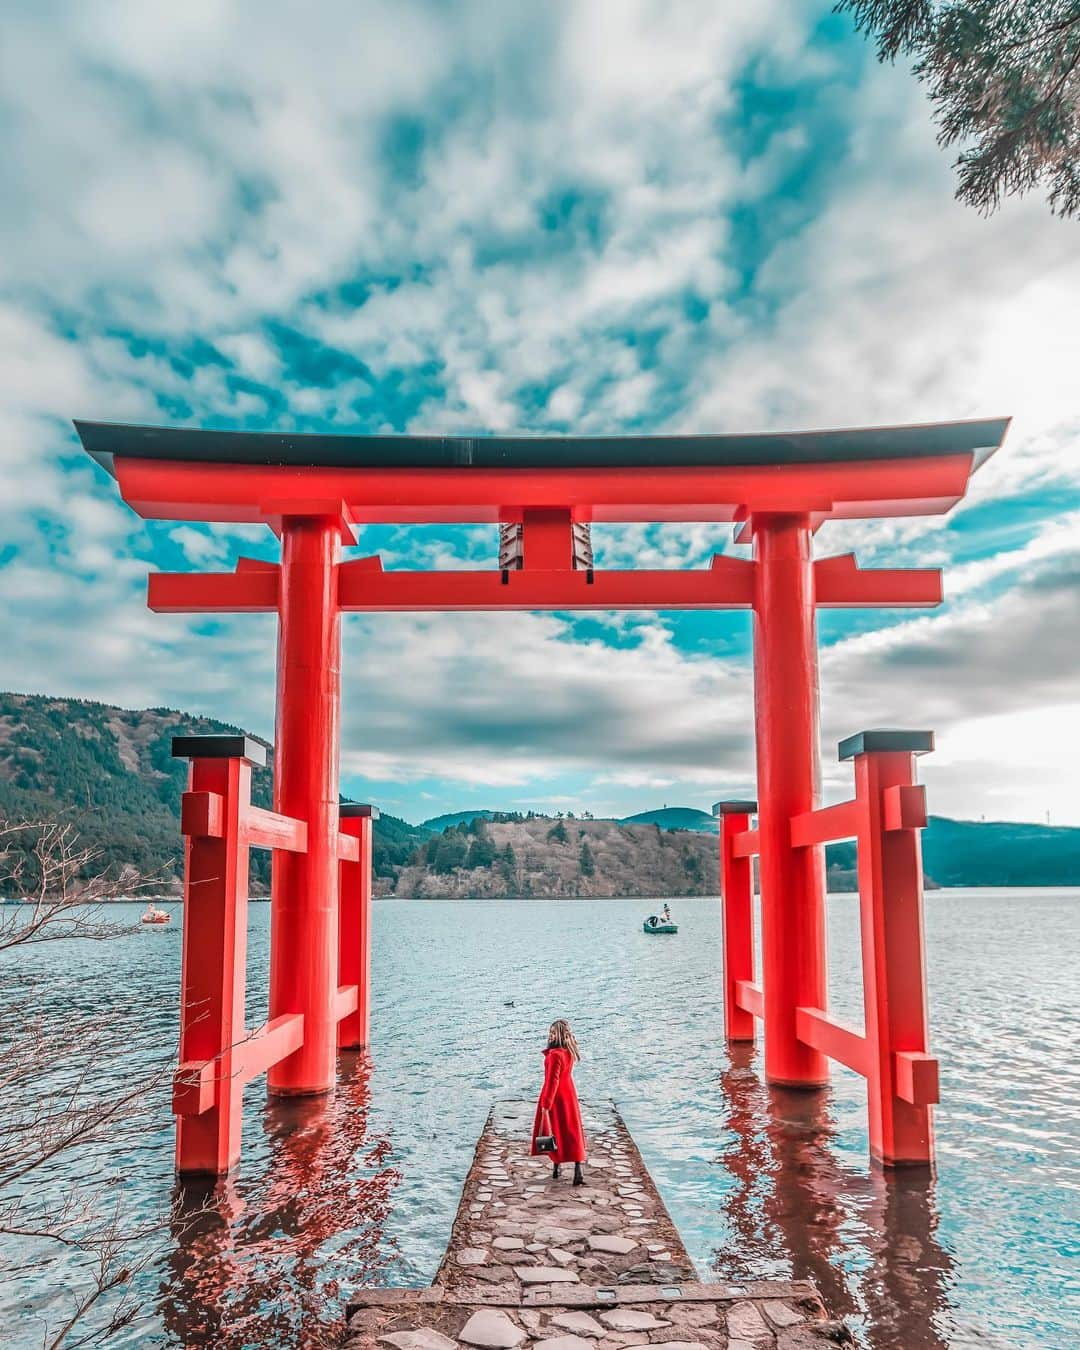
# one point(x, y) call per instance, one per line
point(504, 216)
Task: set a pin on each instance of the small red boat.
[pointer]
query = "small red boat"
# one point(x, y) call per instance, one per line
point(154, 915)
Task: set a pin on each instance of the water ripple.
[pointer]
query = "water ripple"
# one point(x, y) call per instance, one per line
point(762, 1182)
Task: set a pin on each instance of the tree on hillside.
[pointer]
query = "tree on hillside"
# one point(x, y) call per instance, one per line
point(1004, 79)
point(557, 833)
point(448, 852)
point(692, 868)
point(588, 863)
point(481, 851)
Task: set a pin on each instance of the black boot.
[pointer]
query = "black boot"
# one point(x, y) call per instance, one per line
point(555, 1172)
point(579, 1180)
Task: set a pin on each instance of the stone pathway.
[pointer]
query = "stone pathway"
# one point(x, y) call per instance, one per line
point(542, 1264)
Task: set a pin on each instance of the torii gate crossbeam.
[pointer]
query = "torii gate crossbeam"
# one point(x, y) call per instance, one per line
point(777, 489)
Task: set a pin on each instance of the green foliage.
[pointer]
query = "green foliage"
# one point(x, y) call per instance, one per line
point(557, 833)
point(110, 773)
point(394, 843)
point(1004, 79)
point(448, 852)
point(437, 824)
point(482, 852)
point(588, 863)
point(674, 818)
point(988, 853)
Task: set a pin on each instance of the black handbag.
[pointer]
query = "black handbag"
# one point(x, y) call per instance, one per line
point(545, 1143)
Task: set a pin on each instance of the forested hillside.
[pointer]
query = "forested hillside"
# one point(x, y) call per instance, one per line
point(109, 772)
point(514, 854)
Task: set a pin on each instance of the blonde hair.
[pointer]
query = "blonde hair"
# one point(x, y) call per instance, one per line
point(559, 1034)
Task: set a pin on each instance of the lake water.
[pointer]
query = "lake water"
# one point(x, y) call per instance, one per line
point(363, 1187)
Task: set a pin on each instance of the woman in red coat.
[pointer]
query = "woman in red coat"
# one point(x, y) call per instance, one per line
point(557, 1111)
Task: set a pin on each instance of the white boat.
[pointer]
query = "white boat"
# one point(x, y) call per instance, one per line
point(655, 924)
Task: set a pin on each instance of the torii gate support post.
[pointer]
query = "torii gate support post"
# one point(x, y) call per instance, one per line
point(902, 1077)
point(354, 964)
point(884, 818)
point(737, 900)
point(213, 961)
point(789, 778)
point(304, 914)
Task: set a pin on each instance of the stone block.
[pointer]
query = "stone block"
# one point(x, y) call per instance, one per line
point(631, 1319)
point(746, 1323)
point(491, 1329)
point(545, 1275)
point(580, 1322)
point(423, 1338)
point(781, 1315)
point(611, 1242)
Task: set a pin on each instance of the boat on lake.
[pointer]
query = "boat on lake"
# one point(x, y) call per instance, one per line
point(155, 916)
point(654, 924)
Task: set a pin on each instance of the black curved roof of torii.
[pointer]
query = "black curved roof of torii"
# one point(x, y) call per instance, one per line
point(106, 441)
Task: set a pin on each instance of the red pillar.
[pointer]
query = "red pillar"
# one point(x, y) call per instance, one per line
point(304, 914)
point(354, 965)
point(788, 764)
point(208, 1102)
point(902, 1077)
point(736, 897)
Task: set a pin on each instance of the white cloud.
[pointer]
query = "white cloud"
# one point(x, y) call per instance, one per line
point(197, 172)
point(200, 547)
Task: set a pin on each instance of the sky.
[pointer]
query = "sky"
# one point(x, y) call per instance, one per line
point(501, 216)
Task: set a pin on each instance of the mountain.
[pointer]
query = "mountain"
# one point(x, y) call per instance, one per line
point(514, 855)
point(675, 818)
point(667, 817)
point(1000, 853)
point(108, 771)
point(439, 823)
point(981, 853)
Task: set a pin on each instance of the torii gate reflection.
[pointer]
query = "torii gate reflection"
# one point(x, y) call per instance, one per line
point(796, 1210)
point(778, 489)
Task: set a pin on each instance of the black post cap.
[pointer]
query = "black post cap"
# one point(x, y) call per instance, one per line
point(734, 808)
point(881, 739)
point(219, 747)
point(358, 809)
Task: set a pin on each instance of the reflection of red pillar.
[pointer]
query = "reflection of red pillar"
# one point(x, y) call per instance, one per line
point(304, 913)
point(736, 897)
point(902, 1078)
point(355, 932)
point(786, 712)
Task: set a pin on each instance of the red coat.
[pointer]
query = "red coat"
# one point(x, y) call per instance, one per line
point(558, 1097)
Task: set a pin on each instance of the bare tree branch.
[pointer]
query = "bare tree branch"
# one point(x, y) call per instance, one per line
point(62, 893)
point(46, 1113)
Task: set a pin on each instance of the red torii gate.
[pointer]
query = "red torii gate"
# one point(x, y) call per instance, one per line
point(312, 490)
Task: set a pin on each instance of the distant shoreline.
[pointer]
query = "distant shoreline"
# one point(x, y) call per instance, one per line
point(143, 902)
